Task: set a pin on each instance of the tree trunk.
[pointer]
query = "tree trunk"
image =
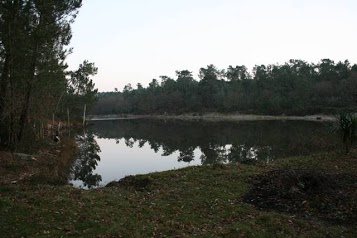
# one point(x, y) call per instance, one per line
point(347, 146)
point(25, 108)
point(24, 113)
point(68, 125)
point(3, 84)
point(84, 115)
point(12, 132)
point(42, 131)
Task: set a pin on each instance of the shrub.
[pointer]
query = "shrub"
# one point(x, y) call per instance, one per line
point(346, 127)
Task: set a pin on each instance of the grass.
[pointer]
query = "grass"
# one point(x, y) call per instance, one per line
point(202, 201)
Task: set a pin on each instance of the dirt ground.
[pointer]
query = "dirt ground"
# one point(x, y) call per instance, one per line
point(48, 166)
point(308, 193)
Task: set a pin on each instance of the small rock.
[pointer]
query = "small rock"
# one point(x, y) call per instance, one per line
point(25, 156)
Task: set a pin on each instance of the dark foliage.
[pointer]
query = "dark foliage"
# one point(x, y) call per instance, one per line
point(294, 88)
point(132, 182)
point(35, 85)
point(346, 127)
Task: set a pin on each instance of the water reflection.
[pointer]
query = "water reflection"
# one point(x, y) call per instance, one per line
point(142, 146)
point(88, 157)
point(186, 155)
point(220, 142)
point(246, 154)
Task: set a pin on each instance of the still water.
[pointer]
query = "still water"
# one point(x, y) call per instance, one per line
point(111, 150)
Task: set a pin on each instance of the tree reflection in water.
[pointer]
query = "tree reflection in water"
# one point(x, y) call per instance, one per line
point(246, 154)
point(87, 161)
point(187, 155)
point(220, 142)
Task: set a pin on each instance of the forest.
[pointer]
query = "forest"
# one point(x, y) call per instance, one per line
point(293, 88)
point(159, 176)
point(36, 87)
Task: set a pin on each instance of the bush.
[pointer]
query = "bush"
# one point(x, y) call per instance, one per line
point(346, 127)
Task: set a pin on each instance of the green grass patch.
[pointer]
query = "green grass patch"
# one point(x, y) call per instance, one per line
point(192, 202)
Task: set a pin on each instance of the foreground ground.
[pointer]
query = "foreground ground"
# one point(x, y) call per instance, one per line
point(290, 198)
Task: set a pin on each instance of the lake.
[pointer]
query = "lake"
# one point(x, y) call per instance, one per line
point(111, 150)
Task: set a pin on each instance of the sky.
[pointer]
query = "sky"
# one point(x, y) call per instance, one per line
point(134, 41)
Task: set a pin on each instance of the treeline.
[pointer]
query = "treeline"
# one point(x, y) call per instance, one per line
point(35, 85)
point(294, 88)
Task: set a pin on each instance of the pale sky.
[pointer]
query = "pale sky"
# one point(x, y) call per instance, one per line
point(134, 41)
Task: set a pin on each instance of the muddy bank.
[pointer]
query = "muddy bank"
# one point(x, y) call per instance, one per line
point(49, 165)
point(307, 193)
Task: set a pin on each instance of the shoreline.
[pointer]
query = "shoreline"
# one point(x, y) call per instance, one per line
point(215, 117)
point(197, 198)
